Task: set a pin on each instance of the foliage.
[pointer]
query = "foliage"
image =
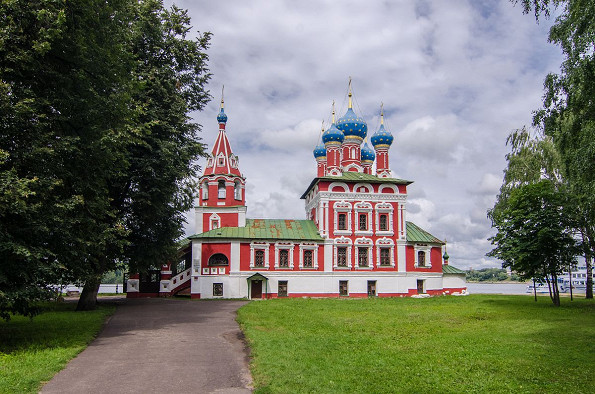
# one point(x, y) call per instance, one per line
point(97, 151)
point(113, 277)
point(32, 351)
point(438, 345)
point(534, 237)
point(490, 275)
point(568, 113)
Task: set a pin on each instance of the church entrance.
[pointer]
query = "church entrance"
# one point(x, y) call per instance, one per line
point(256, 290)
point(420, 286)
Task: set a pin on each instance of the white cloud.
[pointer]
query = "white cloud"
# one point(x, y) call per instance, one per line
point(455, 78)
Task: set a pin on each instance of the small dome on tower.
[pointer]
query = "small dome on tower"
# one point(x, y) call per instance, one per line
point(445, 256)
point(367, 153)
point(352, 125)
point(333, 134)
point(221, 117)
point(382, 137)
point(319, 151)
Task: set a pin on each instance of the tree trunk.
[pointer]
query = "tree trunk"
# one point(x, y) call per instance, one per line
point(534, 290)
point(570, 280)
point(88, 299)
point(589, 291)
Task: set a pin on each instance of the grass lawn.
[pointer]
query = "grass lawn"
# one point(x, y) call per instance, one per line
point(32, 351)
point(479, 343)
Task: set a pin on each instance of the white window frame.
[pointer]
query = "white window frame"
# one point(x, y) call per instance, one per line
point(388, 244)
point(259, 246)
point(426, 249)
point(214, 218)
point(386, 209)
point(314, 248)
point(205, 190)
point(237, 190)
point(342, 207)
point(366, 209)
point(284, 246)
point(363, 243)
point(220, 160)
point(343, 242)
point(221, 196)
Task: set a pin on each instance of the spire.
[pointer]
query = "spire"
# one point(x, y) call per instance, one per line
point(350, 105)
point(333, 112)
point(222, 117)
point(382, 113)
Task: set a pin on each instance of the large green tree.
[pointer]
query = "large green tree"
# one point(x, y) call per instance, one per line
point(568, 113)
point(96, 146)
point(534, 235)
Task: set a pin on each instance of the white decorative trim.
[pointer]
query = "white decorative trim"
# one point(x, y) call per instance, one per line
point(284, 246)
point(214, 219)
point(314, 248)
point(385, 243)
point(368, 244)
point(363, 207)
point(342, 207)
point(259, 246)
point(422, 248)
point(384, 208)
point(383, 186)
point(369, 187)
point(345, 243)
point(339, 184)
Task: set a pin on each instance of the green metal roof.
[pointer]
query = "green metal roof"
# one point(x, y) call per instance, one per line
point(417, 234)
point(356, 177)
point(449, 269)
point(266, 229)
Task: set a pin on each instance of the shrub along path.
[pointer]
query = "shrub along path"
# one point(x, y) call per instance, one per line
point(162, 346)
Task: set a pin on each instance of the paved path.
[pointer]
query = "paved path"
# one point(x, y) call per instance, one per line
point(161, 346)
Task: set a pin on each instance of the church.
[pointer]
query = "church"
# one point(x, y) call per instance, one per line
point(354, 242)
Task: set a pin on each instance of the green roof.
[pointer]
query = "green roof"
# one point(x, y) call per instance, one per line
point(356, 177)
point(449, 269)
point(266, 229)
point(417, 234)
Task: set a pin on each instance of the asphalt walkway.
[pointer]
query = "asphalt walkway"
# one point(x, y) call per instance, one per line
point(161, 346)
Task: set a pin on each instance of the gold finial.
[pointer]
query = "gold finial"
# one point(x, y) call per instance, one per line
point(381, 113)
point(333, 111)
point(222, 89)
point(350, 94)
point(323, 125)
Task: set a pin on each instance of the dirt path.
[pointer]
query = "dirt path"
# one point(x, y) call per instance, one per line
point(160, 346)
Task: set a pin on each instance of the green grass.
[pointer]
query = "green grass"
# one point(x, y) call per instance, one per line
point(479, 343)
point(32, 351)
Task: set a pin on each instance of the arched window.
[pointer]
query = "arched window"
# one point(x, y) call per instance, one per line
point(421, 259)
point(205, 191)
point(237, 190)
point(218, 259)
point(221, 189)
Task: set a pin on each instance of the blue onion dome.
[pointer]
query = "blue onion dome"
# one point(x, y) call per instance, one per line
point(368, 153)
point(319, 151)
point(352, 125)
point(333, 134)
point(221, 117)
point(382, 137)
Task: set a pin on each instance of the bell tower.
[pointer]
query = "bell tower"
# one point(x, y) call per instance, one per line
point(222, 197)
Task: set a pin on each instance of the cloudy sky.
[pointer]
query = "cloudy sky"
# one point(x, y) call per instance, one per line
point(455, 78)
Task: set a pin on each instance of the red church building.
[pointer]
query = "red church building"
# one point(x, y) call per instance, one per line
point(354, 242)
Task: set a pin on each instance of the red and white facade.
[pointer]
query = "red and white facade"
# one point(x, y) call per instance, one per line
point(355, 241)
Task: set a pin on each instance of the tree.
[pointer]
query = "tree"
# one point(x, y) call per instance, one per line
point(568, 113)
point(97, 151)
point(534, 237)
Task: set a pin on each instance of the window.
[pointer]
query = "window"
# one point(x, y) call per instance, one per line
point(341, 257)
point(421, 259)
point(383, 222)
point(217, 289)
point(363, 221)
point(371, 288)
point(221, 189)
point(214, 224)
point(237, 190)
point(221, 161)
point(205, 191)
point(308, 261)
point(282, 288)
point(384, 256)
point(284, 258)
point(342, 224)
point(259, 258)
point(218, 259)
point(362, 256)
point(343, 291)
